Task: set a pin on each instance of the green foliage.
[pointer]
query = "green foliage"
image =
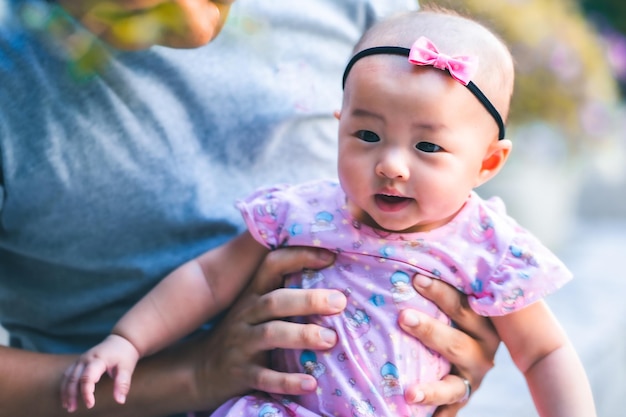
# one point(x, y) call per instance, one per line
point(614, 11)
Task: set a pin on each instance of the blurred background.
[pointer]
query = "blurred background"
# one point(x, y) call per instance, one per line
point(566, 178)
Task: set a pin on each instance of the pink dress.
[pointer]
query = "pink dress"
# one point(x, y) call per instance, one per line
point(482, 252)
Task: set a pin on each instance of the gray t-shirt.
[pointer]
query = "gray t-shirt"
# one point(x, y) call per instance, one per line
point(109, 183)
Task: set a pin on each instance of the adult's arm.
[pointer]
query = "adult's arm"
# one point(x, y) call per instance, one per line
point(232, 358)
point(200, 373)
point(30, 383)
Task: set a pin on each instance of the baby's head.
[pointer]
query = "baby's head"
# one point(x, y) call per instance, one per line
point(416, 138)
point(453, 35)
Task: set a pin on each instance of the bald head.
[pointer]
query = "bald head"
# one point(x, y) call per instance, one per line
point(453, 35)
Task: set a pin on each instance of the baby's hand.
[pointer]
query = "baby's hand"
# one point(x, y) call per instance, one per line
point(116, 356)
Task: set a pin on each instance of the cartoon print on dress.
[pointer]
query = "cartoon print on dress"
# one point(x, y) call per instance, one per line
point(357, 244)
point(265, 217)
point(523, 254)
point(308, 360)
point(357, 321)
point(513, 300)
point(387, 251)
point(311, 277)
point(362, 408)
point(269, 410)
point(341, 266)
point(295, 229)
point(391, 380)
point(377, 299)
point(292, 407)
point(477, 286)
point(323, 222)
point(482, 229)
point(369, 346)
point(342, 357)
point(401, 289)
point(266, 213)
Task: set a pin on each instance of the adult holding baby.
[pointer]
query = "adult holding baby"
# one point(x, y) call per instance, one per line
point(137, 172)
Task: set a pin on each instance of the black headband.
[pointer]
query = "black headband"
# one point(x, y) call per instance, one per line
point(397, 50)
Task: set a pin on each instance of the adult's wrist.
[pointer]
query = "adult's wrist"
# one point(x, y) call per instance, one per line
point(163, 384)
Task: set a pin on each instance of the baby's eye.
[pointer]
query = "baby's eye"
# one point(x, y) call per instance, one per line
point(428, 147)
point(367, 136)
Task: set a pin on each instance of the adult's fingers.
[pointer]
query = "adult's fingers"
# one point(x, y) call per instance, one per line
point(239, 345)
point(267, 380)
point(466, 355)
point(449, 390)
point(470, 345)
point(281, 262)
point(448, 410)
point(454, 304)
point(286, 302)
point(470, 358)
point(288, 335)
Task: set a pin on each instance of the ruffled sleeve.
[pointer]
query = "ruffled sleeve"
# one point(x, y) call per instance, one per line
point(264, 212)
point(287, 215)
point(526, 273)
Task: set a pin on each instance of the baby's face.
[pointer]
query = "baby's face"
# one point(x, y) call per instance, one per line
point(412, 144)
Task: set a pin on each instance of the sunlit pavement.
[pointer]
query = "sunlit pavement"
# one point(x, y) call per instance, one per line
point(592, 309)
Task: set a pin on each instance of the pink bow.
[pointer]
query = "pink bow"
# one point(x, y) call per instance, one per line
point(461, 68)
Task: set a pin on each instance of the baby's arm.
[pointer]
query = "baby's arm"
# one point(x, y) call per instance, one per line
point(190, 295)
point(179, 304)
point(541, 350)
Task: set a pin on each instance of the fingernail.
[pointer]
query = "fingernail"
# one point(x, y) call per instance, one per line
point(411, 318)
point(308, 385)
point(418, 396)
point(422, 281)
point(337, 301)
point(328, 336)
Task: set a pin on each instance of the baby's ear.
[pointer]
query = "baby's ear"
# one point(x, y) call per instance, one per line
point(494, 160)
point(337, 114)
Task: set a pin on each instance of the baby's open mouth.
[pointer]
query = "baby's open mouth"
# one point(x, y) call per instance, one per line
point(390, 199)
point(391, 202)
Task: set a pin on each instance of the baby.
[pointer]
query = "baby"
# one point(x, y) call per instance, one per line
point(421, 126)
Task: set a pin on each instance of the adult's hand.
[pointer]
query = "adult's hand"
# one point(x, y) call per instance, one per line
point(202, 372)
point(470, 345)
point(239, 346)
point(138, 24)
point(236, 357)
